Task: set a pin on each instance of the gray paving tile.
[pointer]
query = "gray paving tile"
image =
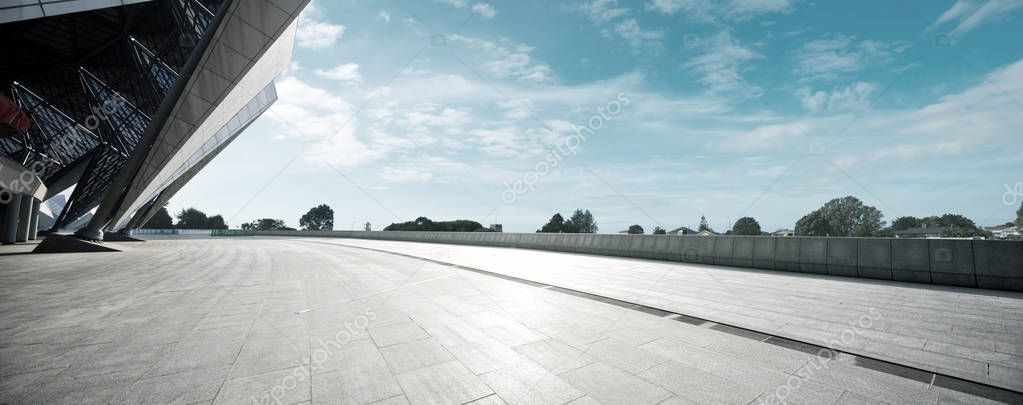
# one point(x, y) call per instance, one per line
point(117, 358)
point(15, 388)
point(184, 358)
point(260, 356)
point(288, 386)
point(488, 400)
point(513, 334)
point(586, 400)
point(554, 356)
point(398, 333)
point(610, 385)
point(185, 387)
point(485, 356)
point(90, 389)
point(528, 383)
point(396, 400)
point(849, 398)
point(356, 385)
point(699, 386)
point(623, 355)
point(876, 385)
point(413, 355)
point(445, 383)
point(341, 357)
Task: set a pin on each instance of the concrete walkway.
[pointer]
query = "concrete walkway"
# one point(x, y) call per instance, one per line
point(967, 333)
point(238, 320)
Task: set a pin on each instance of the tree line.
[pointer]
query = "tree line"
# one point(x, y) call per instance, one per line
point(581, 221)
point(845, 216)
point(188, 218)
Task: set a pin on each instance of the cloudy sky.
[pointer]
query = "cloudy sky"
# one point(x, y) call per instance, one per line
point(395, 109)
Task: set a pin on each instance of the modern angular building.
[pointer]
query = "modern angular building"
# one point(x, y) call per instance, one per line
point(125, 101)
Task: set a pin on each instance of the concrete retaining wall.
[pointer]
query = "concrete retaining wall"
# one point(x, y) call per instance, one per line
point(966, 263)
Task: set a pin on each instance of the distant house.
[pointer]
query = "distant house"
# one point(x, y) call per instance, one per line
point(682, 231)
point(707, 232)
point(496, 228)
point(928, 232)
point(783, 232)
point(1004, 231)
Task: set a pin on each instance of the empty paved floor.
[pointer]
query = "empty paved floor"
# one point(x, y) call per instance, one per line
point(968, 333)
point(238, 320)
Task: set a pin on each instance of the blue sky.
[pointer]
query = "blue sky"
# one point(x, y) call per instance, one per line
point(763, 108)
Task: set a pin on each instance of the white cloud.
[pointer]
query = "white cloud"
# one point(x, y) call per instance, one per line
point(315, 33)
point(485, 10)
point(971, 14)
point(600, 11)
point(517, 109)
point(312, 114)
point(404, 175)
point(830, 58)
point(631, 32)
point(854, 96)
point(453, 3)
point(347, 73)
point(432, 115)
point(979, 122)
point(714, 10)
point(604, 12)
point(721, 66)
point(384, 16)
point(435, 169)
point(508, 60)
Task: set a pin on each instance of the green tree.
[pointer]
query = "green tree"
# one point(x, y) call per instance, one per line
point(319, 218)
point(635, 230)
point(955, 225)
point(191, 218)
point(846, 216)
point(746, 226)
point(555, 225)
point(425, 224)
point(659, 231)
point(581, 222)
point(703, 225)
point(216, 222)
point(267, 224)
point(813, 224)
point(160, 220)
point(902, 223)
point(956, 220)
point(1019, 215)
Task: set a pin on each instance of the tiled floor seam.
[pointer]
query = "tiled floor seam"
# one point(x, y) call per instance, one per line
point(626, 304)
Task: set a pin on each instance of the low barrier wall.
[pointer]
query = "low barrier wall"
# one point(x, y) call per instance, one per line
point(988, 264)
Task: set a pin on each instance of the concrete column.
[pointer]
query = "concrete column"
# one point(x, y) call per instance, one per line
point(3, 217)
point(33, 227)
point(11, 217)
point(24, 218)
